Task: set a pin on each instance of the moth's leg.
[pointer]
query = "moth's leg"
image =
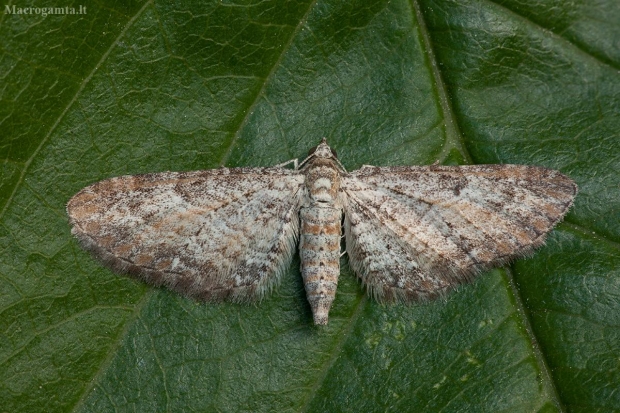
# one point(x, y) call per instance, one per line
point(292, 161)
point(343, 248)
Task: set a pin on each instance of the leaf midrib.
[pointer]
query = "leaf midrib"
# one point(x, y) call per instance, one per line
point(454, 139)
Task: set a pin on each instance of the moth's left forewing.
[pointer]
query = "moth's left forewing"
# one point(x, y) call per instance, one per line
point(212, 235)
point(451, 222)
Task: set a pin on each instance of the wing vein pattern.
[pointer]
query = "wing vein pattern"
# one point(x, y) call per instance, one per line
point(211, 235)
point(415, 232)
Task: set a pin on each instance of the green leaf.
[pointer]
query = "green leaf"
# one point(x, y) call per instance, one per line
point(150, 86)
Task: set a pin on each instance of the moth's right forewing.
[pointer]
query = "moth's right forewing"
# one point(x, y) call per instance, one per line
point(213, 235)
point(448, 223)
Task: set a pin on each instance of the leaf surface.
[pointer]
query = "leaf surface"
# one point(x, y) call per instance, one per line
point(149, 86)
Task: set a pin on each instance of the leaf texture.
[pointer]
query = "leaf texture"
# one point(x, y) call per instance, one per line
point(146, 87)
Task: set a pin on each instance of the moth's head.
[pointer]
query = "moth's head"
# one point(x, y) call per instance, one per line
point(322, 150)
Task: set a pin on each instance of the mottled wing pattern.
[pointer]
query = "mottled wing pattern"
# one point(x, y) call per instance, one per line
point(211, 235)
point(414, 232)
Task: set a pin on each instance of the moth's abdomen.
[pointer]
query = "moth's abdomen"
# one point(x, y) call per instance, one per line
point(320, 257)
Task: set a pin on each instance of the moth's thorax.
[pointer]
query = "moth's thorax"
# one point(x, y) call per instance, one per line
point(323, 180)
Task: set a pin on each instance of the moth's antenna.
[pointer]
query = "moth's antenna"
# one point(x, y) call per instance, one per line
point(305, 160)
point(340, 164)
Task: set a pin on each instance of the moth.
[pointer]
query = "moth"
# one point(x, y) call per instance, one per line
point(411, 232)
